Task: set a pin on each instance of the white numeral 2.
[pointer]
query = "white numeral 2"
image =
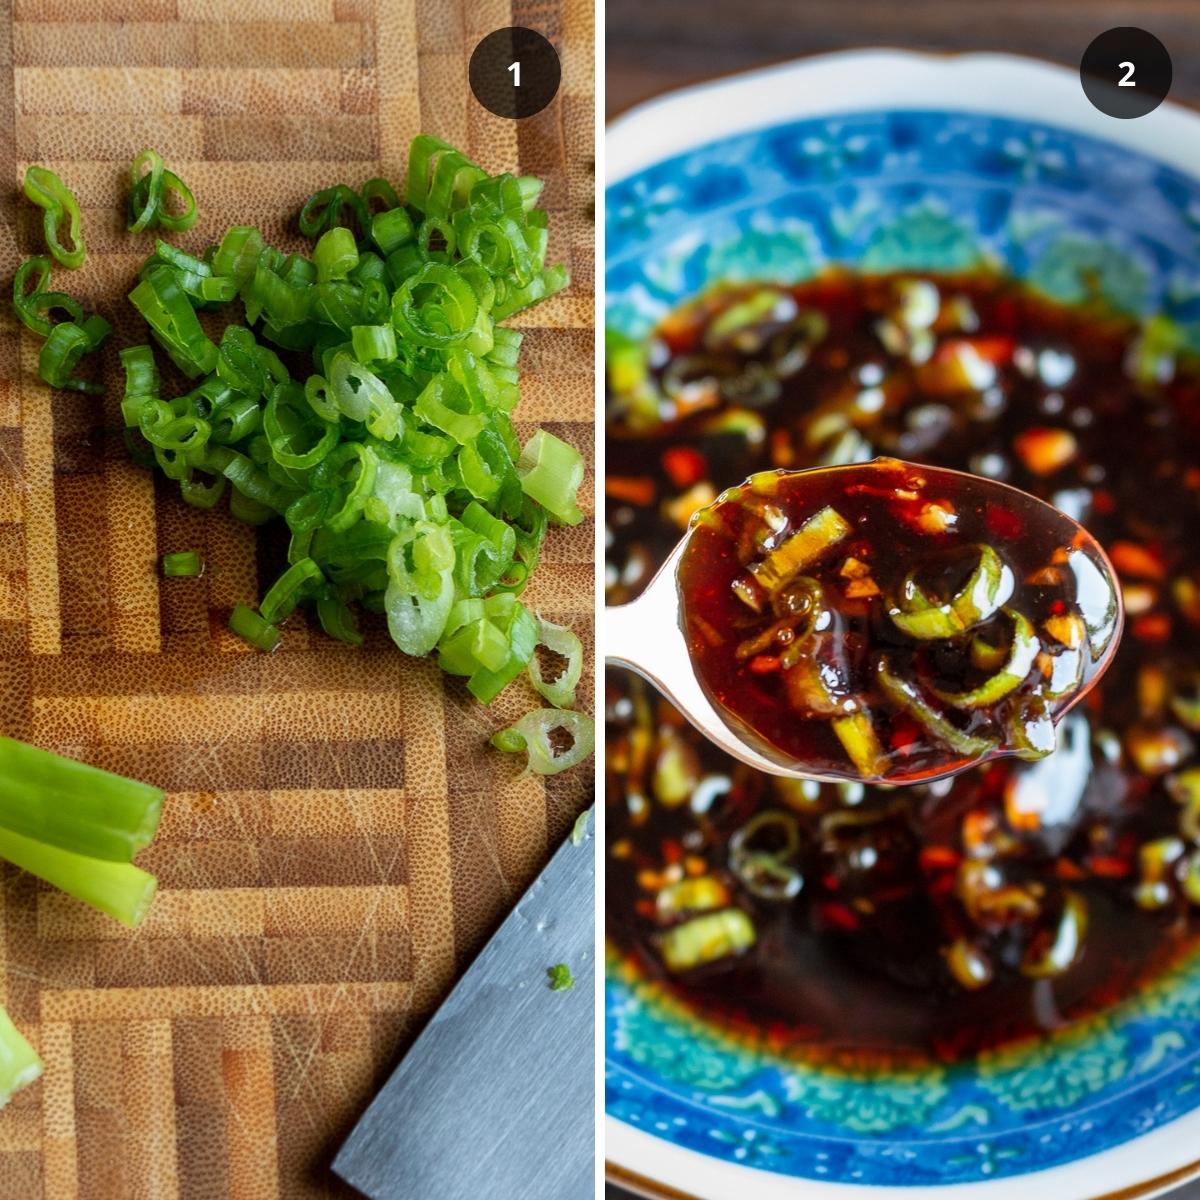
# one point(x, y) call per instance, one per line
point(1126, 80)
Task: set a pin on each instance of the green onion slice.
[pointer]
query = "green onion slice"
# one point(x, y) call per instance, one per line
point(987, 589)
point(48, 191)
point(532, 734)
point(905, 695)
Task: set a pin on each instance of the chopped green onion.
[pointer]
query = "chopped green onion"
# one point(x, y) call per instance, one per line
point(860, 741)
point(905, 695)
point(706, 938)
point(558, 639)
point(47, 191)
point(182, 565)
point(551, 472)
point(579, 829)
point(65, 346)
point(249, 626)
point(532, 734)
point(818, 534)
point(392, 457)
point(335, 255)
point(1012, 672)
point(19, 1063)
point(989, 587)
point(34, 305)
point(561, 979)
point(151, 183)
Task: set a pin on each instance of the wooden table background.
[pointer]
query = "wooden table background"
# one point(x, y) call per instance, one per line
point(654, 47)
point(337, 839)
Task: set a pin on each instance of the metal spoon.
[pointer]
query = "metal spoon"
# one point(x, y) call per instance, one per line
point(647, 634)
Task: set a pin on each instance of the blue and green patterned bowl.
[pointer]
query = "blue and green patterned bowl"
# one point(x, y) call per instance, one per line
point(887, 161)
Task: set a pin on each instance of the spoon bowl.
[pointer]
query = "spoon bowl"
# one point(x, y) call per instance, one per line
point(667, 632)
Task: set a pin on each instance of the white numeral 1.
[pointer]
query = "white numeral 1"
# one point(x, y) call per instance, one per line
point(515, 68)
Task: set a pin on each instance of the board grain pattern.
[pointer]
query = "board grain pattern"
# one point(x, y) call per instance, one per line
point(337, 839)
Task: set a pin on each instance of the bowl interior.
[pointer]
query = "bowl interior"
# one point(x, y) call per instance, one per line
point(884, 191)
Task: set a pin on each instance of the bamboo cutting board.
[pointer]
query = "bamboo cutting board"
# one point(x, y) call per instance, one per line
point(337, 839)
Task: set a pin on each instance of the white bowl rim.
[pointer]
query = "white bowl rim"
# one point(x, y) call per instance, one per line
point(1002, 85)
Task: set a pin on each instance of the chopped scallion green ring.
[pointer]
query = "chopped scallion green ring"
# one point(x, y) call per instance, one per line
point(249, 626)
point(185, 564)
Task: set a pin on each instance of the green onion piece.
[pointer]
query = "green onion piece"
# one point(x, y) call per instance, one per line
point(63, 349)
point(181, 221)
point(561, 979)
point(860, 741)
point(373, 343)
point(706, 939)
point(322, 211)
point(34, 305)
point(48, 191)
point(119, 889)
point(560, 691)
point(906, 696)
point(185, 564)
point(980, 598)
point(74, 806)
point(289, 589)
point(249, 626)
point(551, 473)
point(150, 185)
point(239, 252)
point(532, 734)
point(391, 230)
point(1022, 652)
point(146, 190)
point(822, 531)
point(19, 1063)
point(381, 190)
point(764, 866)
point(579, 829)
point(336, 617)
point(335, 254)
point(172, 320)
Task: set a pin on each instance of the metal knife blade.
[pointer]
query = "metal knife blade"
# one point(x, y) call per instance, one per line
point(496, 1098)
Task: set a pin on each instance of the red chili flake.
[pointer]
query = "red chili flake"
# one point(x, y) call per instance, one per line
point(1003, 524)
point(1153, 627)
point(684, 465)
point(672, 852)
point(1064, 868)
point(1109, 866)
point(1137, 560)
point(1104, 503)
point(840, 917)
point(938, 858)
point(996, 350)
point(783, 454)
point(633, 489)
point(646, 908)
point(764, 664)
point(905, 733)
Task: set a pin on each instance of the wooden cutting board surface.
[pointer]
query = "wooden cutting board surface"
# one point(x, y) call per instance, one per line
point(337, 839)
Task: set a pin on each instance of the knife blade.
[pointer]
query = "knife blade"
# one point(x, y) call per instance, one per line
point(496, 1098)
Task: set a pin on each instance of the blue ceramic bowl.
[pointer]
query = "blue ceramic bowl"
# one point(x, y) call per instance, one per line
point(903, 176)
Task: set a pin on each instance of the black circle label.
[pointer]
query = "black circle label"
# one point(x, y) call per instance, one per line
point(514, 72)
point(1126, 72)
